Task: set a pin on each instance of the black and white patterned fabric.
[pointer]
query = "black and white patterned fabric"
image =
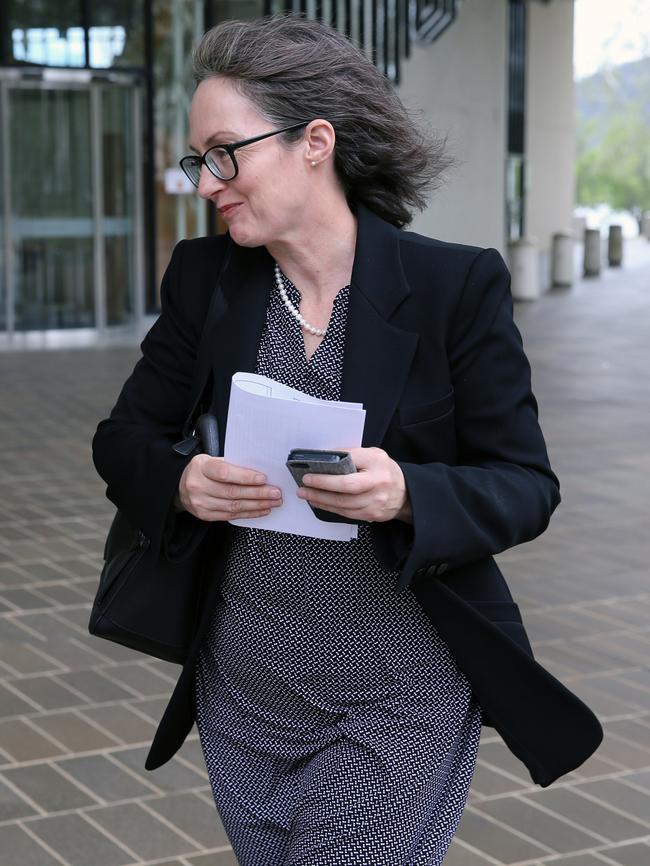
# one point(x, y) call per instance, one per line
point(334, 722)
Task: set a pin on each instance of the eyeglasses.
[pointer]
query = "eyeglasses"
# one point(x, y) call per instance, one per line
point(220, 159)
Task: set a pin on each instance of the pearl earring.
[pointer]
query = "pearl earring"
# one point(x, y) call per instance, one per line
point(313, 162)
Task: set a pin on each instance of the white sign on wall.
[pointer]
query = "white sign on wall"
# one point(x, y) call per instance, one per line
point(177, 182)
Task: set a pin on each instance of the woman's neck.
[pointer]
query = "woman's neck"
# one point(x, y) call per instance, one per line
point(318, 257)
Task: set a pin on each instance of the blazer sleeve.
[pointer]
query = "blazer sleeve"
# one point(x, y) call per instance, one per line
point(502, 491)
point(132, 448)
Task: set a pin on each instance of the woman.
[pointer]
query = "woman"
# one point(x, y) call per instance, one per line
point(339, 687)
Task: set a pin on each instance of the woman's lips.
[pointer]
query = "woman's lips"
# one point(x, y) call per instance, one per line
point(227, 209)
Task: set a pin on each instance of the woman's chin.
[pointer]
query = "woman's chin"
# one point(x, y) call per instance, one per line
point(243, 236)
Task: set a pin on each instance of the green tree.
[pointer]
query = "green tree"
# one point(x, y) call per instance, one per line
point(613, 156)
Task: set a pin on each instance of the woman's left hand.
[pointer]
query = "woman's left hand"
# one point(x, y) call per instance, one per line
point(375, 492)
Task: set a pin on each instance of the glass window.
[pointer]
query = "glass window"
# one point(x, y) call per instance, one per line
point(53, 34)
point(116, 34)
point(47, 46)
point(177, 27)
point(47, 34)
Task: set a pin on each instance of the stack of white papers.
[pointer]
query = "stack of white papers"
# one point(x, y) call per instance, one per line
point(266, 419)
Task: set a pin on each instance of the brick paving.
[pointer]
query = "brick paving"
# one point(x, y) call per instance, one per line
point(77, 714)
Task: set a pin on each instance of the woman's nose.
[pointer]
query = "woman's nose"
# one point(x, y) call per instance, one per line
point(208, 183)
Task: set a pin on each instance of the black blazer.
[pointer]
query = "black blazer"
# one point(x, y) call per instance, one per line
point(435, 357)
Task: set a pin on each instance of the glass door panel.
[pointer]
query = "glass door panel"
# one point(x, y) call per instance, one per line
point(4, 238)
point(51, 207)
point(118, 223)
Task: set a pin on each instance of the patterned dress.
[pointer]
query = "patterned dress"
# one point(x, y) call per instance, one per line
point(335, 725)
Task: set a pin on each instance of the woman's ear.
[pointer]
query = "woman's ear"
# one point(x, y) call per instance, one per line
point(319, 139)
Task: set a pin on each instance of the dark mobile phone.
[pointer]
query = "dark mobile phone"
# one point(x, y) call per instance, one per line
point(313, 460)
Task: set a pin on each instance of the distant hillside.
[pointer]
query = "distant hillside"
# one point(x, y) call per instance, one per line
point(610, 92)
point(613, 138)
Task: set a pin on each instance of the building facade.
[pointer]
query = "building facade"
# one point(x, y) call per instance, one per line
point(93, 119)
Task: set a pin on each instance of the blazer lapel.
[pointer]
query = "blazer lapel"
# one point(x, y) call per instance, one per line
point(378, 355)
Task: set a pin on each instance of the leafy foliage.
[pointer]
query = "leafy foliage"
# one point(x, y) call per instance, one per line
point(613, 138)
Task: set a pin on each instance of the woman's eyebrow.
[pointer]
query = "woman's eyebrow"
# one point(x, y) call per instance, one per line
point(218, 138)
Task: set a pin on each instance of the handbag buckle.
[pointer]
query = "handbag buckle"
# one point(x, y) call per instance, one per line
point(186, 446)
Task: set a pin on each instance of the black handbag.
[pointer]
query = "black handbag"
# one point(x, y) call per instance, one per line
point(145, 601)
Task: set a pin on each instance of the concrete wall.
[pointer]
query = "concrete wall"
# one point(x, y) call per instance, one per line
point(550, 126)
point(460, 83)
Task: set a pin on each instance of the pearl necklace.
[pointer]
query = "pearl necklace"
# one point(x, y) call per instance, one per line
point(294, 312)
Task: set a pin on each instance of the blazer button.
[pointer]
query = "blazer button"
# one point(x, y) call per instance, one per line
point(431, 571)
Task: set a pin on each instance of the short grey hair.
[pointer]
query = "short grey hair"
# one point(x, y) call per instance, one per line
point(293, 69)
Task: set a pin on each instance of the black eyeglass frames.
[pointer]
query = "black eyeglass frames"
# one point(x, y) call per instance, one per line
point(220, 158)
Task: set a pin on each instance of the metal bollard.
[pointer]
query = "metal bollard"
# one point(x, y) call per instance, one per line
point(615, 246)
point(592, 253)
point(524, 270)
point(579, 226)
point(562, 260)
point(645, 225)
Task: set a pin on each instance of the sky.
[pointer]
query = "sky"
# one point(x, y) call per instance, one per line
point(609, 32)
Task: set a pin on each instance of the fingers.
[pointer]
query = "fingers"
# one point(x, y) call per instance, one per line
point(207, 506)
point(212, 489)
point(235, 503)
point(362, 495)
point(372, 470)
point(231, 509)
point(323, 499)
point(355, 482)
point(216, 469)
point(229, 482)
point(240, 491)
point(210, 515)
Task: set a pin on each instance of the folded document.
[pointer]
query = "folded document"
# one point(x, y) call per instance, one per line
point(266, 419)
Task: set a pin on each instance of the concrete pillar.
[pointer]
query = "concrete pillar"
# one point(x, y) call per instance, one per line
point(469, 104)
point(562, 260)
point(524, 270)
point(615, 246)
point(550, 124)
point(592, 253)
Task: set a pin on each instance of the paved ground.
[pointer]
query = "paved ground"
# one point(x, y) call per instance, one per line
point(78, 714)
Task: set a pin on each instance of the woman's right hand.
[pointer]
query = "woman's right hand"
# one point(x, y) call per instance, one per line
point(212, 489)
